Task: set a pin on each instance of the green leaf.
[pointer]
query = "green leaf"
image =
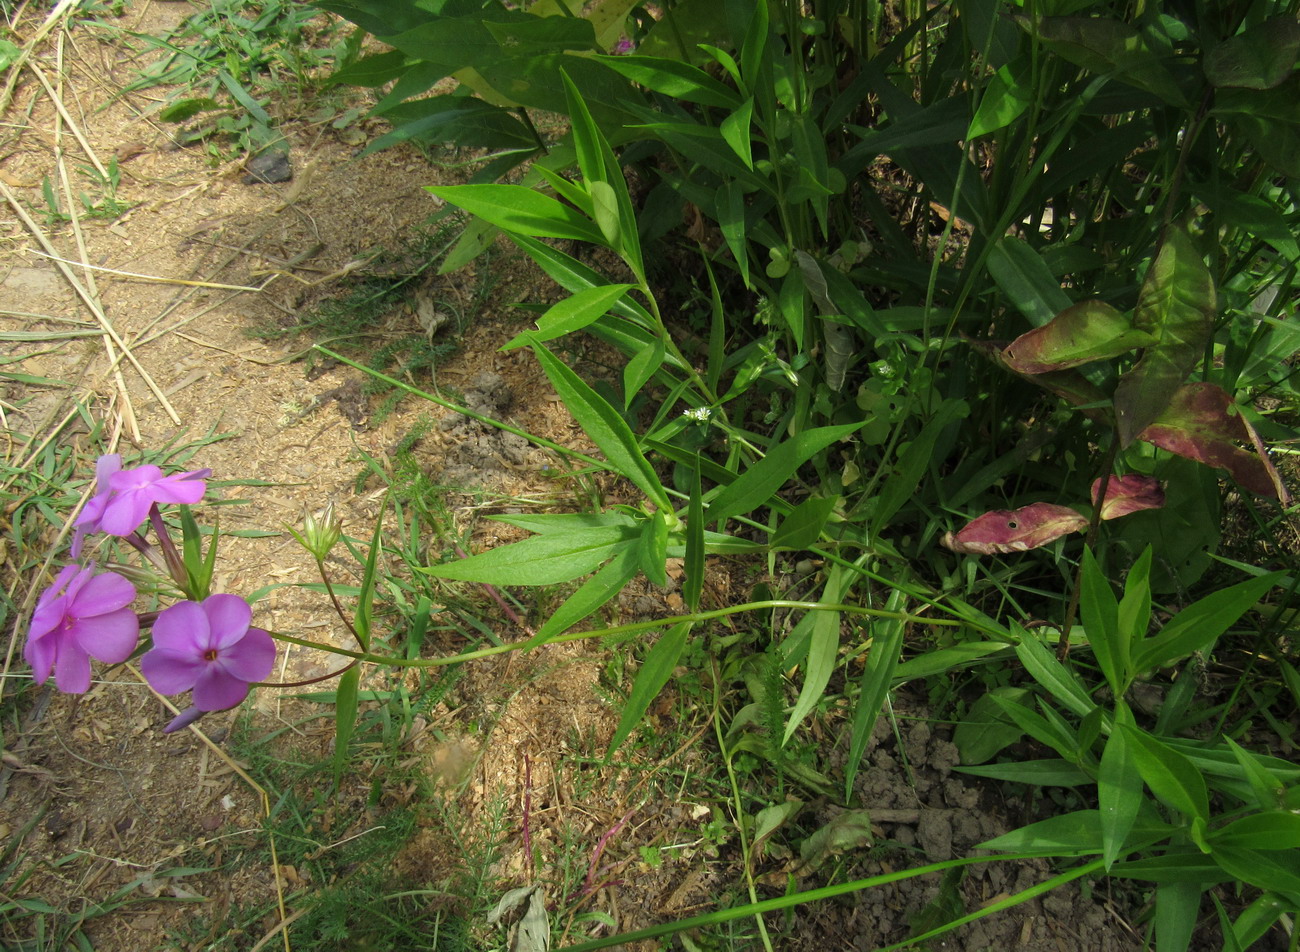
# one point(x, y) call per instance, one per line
point(659, 664)
point(522, 210)
point(1172, 777)
point(640, 368)
point(1069, 834)
point(1108, 46)
point(1038, 727)
point(987, 729)
point(1268, 789)
point(1260, 57)
point(611, 579)
point(538, 560)
point(1026, 280)
point(693, 586)
point(674, 79)
point(956, 658)
point(1099, 613)
point(572, 314)
point(913, 464)
point(653, 548)
point(1176, 305)
point(873, 689)
point(803, 526)
point(735, 129)
point(1119, 796)
point(1040, 773)
point(1044, 667)
point(1080, 334)
point(1275, 830)
point(184, 110)
point(1200, 624)
point(345, 719)
point(604, 426)
point(757, 484)
point(1277, 872)
point(1005, 99)
point(823, 650)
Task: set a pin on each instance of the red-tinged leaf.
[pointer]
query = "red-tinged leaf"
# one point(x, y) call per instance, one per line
point(1082, 333)
point(1197, 424)
point(1129, 493)
point(1070, 385)
point(1177, 306)
point(1015, 530)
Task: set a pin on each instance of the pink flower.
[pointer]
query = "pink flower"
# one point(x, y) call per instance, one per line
point(81, 616)
point(123, 497)
point(208, 646)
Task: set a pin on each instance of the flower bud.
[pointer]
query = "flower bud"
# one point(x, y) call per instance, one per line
point(319, 533)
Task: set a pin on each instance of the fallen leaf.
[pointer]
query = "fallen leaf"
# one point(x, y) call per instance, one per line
point(1015, 530)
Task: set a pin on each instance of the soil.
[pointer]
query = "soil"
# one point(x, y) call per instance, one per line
point(149, 841)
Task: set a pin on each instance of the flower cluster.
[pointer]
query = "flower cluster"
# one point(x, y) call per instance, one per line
point(206, 645)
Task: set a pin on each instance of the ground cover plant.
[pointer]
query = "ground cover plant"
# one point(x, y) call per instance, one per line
point(908, 298)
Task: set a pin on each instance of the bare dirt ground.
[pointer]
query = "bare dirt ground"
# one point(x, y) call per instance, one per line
point(138, 840)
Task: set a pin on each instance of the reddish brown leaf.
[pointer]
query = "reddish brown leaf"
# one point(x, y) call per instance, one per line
point(1197, 424)
point(1015, 530)
point(1082, 333)
point(1129, 493)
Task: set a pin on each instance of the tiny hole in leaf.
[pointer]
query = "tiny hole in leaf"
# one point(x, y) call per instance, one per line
point(1012, 524)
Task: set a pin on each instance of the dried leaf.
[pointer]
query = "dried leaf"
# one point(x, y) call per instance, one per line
point(1129, 493)
point(1197, 424)
point(1015, 530)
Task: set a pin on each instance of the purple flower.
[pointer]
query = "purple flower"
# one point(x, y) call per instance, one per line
point(208, 646)
point(123, 497)
point(82, 615)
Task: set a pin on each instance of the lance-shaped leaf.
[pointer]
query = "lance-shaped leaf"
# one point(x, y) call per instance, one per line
point(1176, 305)
point(1070, 385)
point(1015, 530)
point(1082, 333)
point(1197, 424)
point(1129, 493)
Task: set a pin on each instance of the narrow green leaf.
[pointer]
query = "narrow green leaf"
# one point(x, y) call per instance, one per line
point(538, 560)
point(1069, 834)
point(756, 485)
point(1025, 279)
point(803, 527)
point(1038, 727)
point(345, 719)
point(1099, 613)
point(1040, 773)
point(366, 597)
point(572, 314)
point(1177, 910)
point(1172, 777)
point(603, 424)
point(693, 586)
point(1268, 789)
point(640, 369)
point(1274, 830)
point(1198, 626)
point(873, 689)
point(986, 729)
point(522, 210)
point(823, 650)
point(1276, 872)
point(650, 680)
point(674, 79)
point(653, 548)
point(914, 463)
point(611, 579)
point(1059, 681)
point(1119, 796)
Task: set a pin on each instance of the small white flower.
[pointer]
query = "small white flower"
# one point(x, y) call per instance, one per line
point(698, 414)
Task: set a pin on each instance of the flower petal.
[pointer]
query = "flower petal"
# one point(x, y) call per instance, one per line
point(183, 487)
point(102, 594)
point(252, 659)
point(40, 654)
point(216, 690)
point(169, 674)
point(228, 618)
point(109, 637)
point(125, 513)
point(182, 631)
point(72, 673)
